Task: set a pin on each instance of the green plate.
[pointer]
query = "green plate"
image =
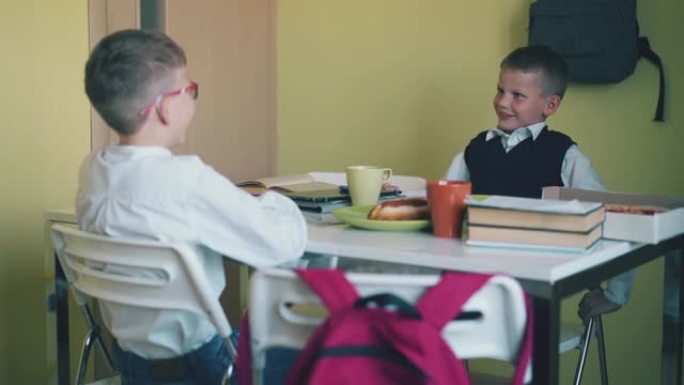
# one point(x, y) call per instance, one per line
point(358, 216)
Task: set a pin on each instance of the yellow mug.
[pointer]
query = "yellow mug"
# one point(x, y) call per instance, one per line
point(365, 183)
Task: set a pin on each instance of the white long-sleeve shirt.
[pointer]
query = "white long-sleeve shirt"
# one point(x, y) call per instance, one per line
point(149, 193)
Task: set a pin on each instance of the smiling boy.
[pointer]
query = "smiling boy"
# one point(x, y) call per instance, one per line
point(521, 155)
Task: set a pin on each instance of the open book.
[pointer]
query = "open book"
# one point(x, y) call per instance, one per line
point(285, 183)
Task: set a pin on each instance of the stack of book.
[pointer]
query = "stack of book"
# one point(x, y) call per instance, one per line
point(534, 223)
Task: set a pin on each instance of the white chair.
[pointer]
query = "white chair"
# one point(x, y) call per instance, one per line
point(571, 337)
point(284, 312)
point(178, 282)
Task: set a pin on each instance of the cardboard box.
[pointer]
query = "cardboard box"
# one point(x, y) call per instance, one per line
point(630, 227)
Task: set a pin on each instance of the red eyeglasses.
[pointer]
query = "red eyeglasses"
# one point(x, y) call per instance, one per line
point(192, 89)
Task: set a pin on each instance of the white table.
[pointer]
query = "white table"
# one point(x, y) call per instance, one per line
point(422, 249)
point(547, 276)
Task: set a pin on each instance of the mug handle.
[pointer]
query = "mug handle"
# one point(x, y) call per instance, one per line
point(386, 174)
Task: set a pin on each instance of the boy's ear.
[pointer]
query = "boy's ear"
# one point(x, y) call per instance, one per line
point(163, 112)
point(552, 104)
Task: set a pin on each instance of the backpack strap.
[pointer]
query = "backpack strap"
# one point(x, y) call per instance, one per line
point(645, 51)
point(244, 350)
point(443, 302)
point(331, 286)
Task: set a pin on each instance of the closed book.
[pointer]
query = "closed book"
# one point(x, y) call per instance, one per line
point(337, 194)
point(320, 218)
point(535, 220)
point(504, 236)
point(326, 201)
point(321, 208)
point(531, 213)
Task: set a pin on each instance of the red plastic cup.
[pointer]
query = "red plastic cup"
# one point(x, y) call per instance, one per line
point(446, 200)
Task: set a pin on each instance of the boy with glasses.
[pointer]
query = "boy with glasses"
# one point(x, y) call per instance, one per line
point(138, 82)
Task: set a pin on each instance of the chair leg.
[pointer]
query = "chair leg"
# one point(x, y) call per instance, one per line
point(90, 322)
point(232, 352)
point(92, 335)
point(601, 350)
point(105, 353)
point(228, 374)
point(584, 349)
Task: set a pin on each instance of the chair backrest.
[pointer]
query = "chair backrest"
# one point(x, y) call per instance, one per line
point(136, 273)
point(284, 312)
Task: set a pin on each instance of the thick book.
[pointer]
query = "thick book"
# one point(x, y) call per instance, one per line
point(533, 238)
point(529, 213)
point(285, 183)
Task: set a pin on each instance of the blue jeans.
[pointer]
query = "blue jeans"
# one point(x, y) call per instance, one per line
point(279, 361)
point(204, 366)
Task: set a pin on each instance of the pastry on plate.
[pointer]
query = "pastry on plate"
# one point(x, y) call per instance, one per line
point(400, 210)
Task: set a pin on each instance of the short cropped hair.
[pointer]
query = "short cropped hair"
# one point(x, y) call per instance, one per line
point(548, 62)
point(126, 71)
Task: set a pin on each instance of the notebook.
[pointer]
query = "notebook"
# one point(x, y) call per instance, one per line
point(340, 194)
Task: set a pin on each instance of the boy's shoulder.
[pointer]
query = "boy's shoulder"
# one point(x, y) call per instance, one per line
point(153, 161)
point(190, 160)
point(176, 166)
point(481, 136)
point(558, 136)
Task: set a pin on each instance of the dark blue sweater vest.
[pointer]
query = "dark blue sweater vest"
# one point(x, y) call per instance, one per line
point(523, 171)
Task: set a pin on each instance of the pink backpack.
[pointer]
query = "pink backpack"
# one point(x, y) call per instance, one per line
point(361, 340)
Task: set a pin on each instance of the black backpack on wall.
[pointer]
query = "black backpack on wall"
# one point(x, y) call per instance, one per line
point(599, 39)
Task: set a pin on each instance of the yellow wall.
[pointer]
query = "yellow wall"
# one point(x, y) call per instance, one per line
point(401, 83)
point(45, 133)
point(406, 83)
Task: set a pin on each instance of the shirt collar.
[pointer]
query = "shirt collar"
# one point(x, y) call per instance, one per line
point(534, 129)
point(119, 151)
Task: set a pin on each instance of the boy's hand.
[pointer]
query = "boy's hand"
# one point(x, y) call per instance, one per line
point(594, 303)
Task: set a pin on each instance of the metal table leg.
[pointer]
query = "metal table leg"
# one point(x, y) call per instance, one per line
point(545, 360)
point(673, 314)
point(61, 306)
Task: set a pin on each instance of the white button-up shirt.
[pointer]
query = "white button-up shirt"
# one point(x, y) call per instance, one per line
point(149, 193)
point(576, 170)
